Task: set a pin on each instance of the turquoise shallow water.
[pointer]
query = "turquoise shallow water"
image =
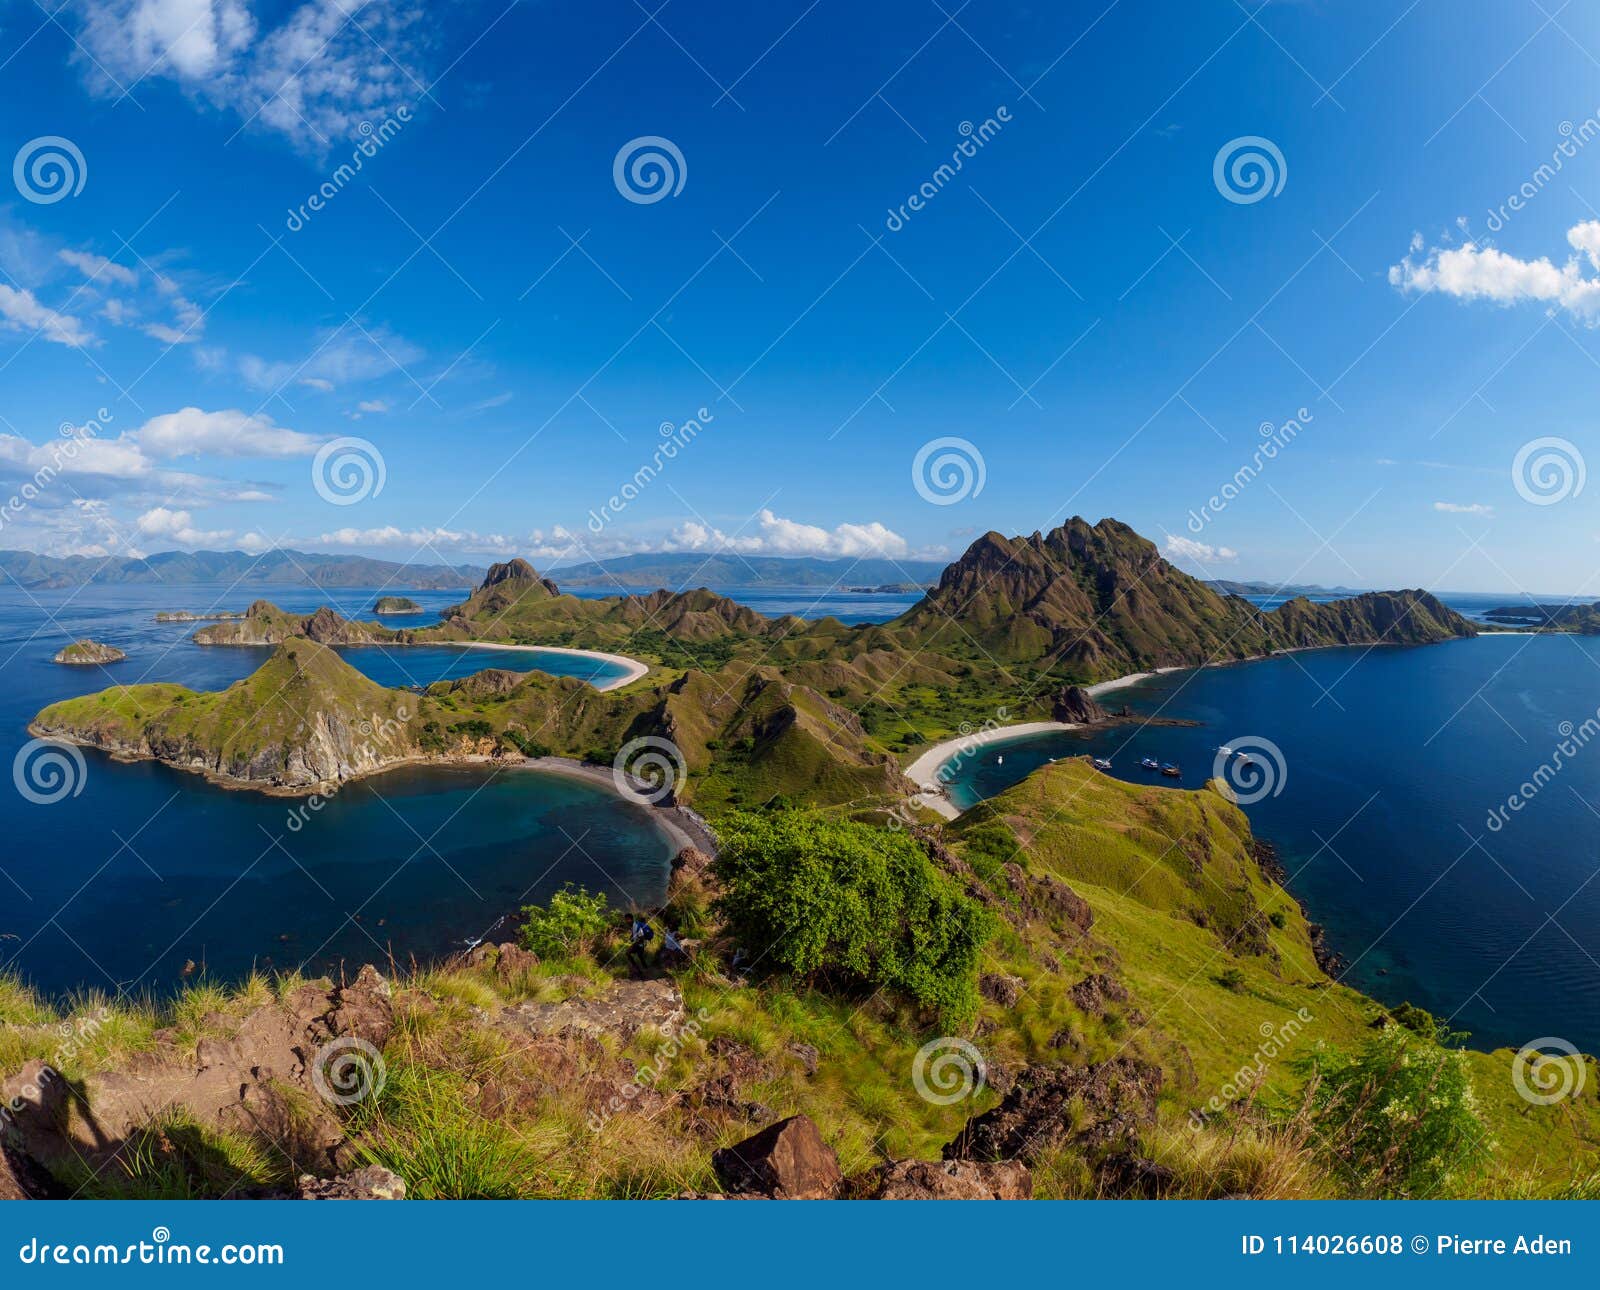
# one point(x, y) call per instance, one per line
point(148, 868)
point(1394, 759)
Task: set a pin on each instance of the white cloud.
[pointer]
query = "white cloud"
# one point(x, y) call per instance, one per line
point(1463, 508)
point(1182, 548)
point(21, 311)
point(311, 71)
point(190, 432)
point(372, 405)
point(1474, 271)
point(779, 536)
point(178, 526)
point(98, 268)
point(340, 357)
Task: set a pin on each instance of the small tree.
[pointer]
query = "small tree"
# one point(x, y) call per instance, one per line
point(1398, 1119)
point(567, 925)
point(851, 905)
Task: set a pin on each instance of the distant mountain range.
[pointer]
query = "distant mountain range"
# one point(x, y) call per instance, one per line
point(685, 571)
point(271, 568)
point(1228, 587)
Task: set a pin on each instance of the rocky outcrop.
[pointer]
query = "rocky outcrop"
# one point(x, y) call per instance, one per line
point(945, 1180)
point(371, 1183)
point(626, 1008)
point(1095, 992)
point(1074, 704)
point(284, 1073)
point(1048, 1106)
point(785, 1161)
point(396, 605)
point(88, 654)
point(691, 871)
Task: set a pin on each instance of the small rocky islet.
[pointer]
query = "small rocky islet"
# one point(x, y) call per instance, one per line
point(396, 605)
point(87, 653)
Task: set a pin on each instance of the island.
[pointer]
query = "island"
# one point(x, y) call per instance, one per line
point(1078, 987)
point(396, 605)
point(88, 653)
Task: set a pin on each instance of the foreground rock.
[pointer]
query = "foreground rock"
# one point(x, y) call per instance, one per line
point(785, 1161)
point(945, 1180)
point(283, 1074)
point(88, 653)
point(372, 1183)
point(1087, 1106)
point(623, 1010)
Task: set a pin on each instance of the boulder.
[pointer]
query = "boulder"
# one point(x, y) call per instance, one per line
point(1000, 988)
point(691, 871)
point(1096, 991)
point(371, 1183)
point(785, 1161)
point(946, 1180)
point(1088, 1106)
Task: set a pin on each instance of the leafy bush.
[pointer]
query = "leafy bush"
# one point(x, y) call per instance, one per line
point(1230, 978)
point(1398, 1119)
point(567, 925)
point(851, 905)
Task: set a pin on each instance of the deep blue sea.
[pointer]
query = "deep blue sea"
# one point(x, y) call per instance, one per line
point(147, 869)
point(1393, 759)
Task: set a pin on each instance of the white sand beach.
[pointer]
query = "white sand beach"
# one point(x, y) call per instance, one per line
point(636, 669)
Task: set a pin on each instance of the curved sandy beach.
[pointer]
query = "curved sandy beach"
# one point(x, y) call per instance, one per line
point(636, 669)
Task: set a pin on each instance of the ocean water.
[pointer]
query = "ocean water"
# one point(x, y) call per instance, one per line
point(803, 602)
point(1393, 760)
point(147, 869)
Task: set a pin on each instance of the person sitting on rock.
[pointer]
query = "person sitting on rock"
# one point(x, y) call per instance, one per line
point(672, 952)
point(639, 938)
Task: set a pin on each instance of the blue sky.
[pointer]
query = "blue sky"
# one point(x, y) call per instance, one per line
point(489, 321)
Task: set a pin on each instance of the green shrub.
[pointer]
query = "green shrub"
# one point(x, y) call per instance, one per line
point(1398, 1119)
point(851, 905)
point(567, 925)
point(1230, 978)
